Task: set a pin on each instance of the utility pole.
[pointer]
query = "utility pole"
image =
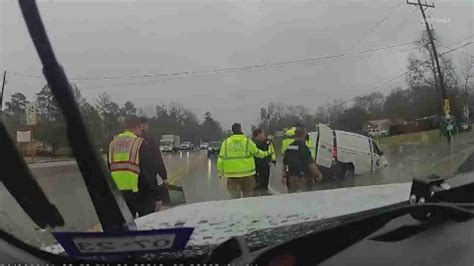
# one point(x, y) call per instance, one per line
point(1, 93)
point(445, 100)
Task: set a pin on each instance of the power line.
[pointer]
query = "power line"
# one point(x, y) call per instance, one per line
point(397, 77)
point(375, 26)
point(228, 69)
point(241, 68)
point(466, 54)
point(457, 48)
point(459, 41)
point(446, 46)
point(164, 80)
point(376, 87)
point(178, 74)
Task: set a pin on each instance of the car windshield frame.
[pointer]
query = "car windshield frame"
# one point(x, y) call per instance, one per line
point(75, 138)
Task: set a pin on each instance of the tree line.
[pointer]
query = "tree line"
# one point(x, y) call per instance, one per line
point(104, 119)
point(420, 99)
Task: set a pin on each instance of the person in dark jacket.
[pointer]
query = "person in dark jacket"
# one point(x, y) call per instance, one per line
point(158, 171)
point(299, 169)
point(262, 166)
point(124, 145)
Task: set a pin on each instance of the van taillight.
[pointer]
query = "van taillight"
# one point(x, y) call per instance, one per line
point(334, 153)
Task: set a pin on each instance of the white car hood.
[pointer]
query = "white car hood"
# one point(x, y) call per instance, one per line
point(217, 221)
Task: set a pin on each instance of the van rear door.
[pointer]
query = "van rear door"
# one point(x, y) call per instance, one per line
point(313, 136)
point(324, 146)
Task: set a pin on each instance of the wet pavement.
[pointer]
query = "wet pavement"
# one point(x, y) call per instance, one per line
point(197, 174)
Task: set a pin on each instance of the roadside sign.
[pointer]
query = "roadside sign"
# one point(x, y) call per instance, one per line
point(446, 106)
point(119, 244)
point(23, 136)
point(31, 114)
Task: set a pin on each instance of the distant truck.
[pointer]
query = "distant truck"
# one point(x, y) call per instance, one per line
point(169, 143)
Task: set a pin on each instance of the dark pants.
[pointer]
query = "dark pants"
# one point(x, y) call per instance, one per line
point(141, 203)
point(131, 200)
point(298, 183)
point(262, 178)
point(146, 203)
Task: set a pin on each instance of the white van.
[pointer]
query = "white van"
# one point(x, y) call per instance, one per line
point(344, 154)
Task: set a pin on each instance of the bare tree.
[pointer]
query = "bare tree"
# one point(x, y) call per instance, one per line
point(467, 71)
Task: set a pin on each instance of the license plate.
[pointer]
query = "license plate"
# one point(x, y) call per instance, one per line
point(113, 244)
point(124, 244)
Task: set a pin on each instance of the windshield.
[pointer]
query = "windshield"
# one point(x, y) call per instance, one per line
point(361, 74)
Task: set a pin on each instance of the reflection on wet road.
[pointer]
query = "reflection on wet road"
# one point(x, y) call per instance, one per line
point(197, 174)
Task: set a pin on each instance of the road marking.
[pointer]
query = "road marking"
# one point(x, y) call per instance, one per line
point(38, 165)
point(178, 175)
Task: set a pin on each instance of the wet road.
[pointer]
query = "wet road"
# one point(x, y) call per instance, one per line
point(197, 174)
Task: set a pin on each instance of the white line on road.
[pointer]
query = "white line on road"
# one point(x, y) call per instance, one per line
point(51, 164)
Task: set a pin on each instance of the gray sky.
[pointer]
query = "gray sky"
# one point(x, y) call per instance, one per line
point(112, 38)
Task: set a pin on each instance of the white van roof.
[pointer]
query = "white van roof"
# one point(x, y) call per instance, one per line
point(349, 133)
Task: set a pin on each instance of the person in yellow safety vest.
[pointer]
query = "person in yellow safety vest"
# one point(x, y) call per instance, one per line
point(236, 163)
point(289, 137)
point(131, 164)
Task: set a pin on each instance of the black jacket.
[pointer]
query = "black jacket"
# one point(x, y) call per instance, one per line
point(159, 166)
point(147, 181)
point(297, 158)
point(264, 146)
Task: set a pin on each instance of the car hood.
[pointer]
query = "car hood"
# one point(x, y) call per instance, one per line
point(217, 221)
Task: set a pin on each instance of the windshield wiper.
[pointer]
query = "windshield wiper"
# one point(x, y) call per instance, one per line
point(110, 206)
point(425, 204)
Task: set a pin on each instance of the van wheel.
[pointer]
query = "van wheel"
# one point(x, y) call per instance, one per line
point(348, 172)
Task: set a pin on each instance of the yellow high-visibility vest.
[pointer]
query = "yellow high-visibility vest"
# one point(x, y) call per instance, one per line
point(289, 138)
point(124, 160)
point(236, 156)
point(271, 149)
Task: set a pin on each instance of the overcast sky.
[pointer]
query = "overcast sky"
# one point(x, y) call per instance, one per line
point(112, 38)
